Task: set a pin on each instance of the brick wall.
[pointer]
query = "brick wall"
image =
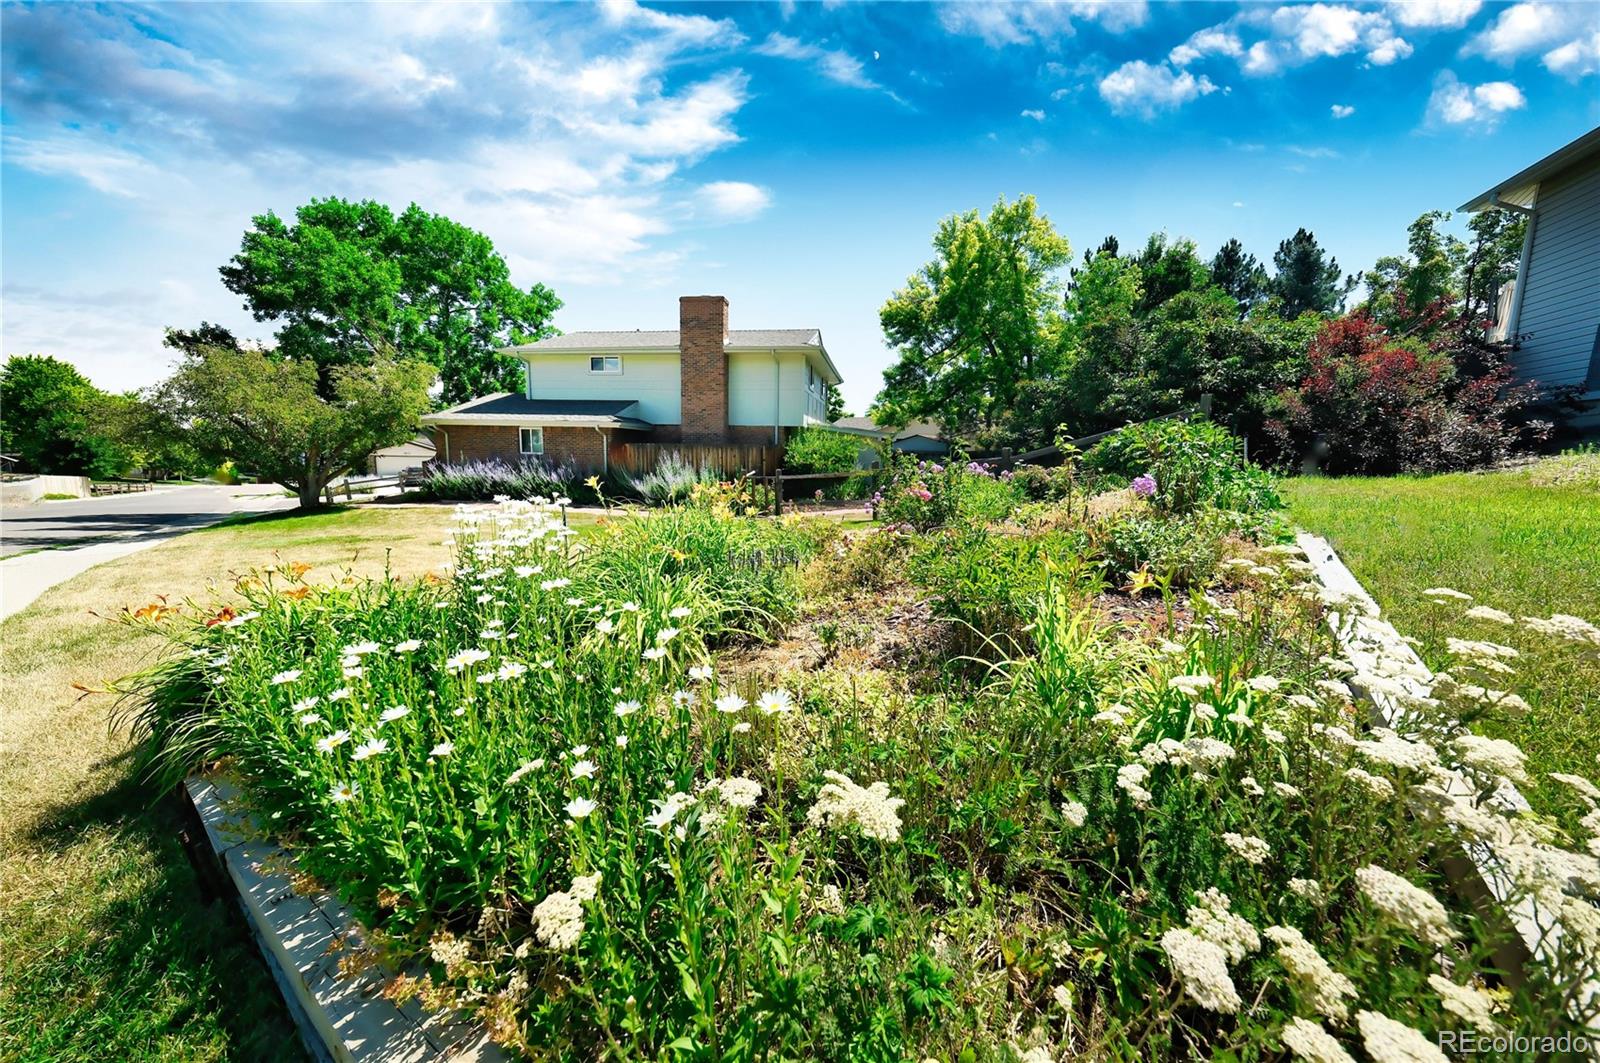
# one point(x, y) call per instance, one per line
point(703, 367)
point(584, 447)
point(476, 443)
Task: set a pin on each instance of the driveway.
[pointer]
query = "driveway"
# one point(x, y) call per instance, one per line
point(68, 537)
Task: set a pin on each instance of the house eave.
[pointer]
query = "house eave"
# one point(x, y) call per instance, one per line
point(547, 420)
point(1552, 164)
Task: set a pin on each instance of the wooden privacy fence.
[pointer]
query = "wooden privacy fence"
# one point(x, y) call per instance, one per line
point(726, 459)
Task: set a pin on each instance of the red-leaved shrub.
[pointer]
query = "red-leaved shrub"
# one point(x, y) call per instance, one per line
point(1371, 404)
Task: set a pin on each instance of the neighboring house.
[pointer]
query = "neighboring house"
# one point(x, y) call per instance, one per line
point(918, 437)
point(586, 393)
point(391, 461)
point(1553, 311)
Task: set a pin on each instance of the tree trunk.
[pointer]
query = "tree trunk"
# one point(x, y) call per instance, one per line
point(310, 494)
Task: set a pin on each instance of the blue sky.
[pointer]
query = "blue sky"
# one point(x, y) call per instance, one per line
point(794, 157)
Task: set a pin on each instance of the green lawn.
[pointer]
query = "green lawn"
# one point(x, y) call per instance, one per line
point(1526, 542)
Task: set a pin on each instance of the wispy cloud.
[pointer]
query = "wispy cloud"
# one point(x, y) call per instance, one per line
point(999, 22)
point(1033, 113)
point(1341, 110)
point(733, 200)
point(835, 64)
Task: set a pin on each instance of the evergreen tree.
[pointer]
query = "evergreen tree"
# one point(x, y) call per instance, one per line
point(1307, 278)
point(1240, 274)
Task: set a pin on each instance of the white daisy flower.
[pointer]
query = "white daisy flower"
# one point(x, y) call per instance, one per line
point(775, 701)
point(283, 678)
point(328, 743)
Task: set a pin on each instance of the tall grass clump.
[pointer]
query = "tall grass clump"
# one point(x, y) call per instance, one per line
point(484, 481)
point(672, 481)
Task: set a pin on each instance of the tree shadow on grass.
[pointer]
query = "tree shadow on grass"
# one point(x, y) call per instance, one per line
point(141, 966)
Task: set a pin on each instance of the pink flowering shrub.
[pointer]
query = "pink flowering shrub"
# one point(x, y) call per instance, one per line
point(921, 495)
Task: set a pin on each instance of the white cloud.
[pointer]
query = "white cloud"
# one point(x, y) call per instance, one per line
point(1341, 110)
point(1213, 41)
point(1565, 33)
point(579, 148)
point(1518, 30)
point(733, 200)
point(1238, 203)
point(1140, 88)
point(1313, 152)
point(1456, 103)
point(1003, 23)
point(1434, 14)
point(1292, 35)
point(1577, 58)
point(833, 64)
point(1033, 113)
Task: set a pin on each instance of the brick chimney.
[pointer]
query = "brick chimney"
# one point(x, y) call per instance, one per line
point(703, 367)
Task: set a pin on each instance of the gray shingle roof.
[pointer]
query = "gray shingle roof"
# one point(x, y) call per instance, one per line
point(667, 340)
point(620, 413)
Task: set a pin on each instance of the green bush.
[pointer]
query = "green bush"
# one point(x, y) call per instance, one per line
point(1193, 463)
point(1183, 549)
point(822, 450)
point(922, 494)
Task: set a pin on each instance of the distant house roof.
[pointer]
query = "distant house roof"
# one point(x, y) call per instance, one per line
point(1518, 187)
point(646, 340)
point(867, 426)
point(507, 408)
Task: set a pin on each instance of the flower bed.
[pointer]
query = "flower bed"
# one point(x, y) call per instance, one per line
point(534, 779)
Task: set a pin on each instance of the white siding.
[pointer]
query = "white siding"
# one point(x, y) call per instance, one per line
point(1561, 308)
point(758, 390)
point(649, 379)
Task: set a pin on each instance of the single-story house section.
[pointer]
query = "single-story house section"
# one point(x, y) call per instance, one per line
point(918, 437)
point(1552, 314)
point(702, 383)
point(391, 461)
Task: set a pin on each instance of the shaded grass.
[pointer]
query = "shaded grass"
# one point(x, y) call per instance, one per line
point(109, 951)
point(1526, 542)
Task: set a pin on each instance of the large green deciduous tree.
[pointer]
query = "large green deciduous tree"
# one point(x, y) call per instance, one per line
point(353, 284)
point(1306, 277)
point(290, 420)
point(977, 319)
point(48, 422)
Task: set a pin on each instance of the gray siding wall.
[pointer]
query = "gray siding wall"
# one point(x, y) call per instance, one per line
point(1561, 308)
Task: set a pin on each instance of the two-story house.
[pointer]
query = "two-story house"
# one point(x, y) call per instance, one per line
point(585, 393)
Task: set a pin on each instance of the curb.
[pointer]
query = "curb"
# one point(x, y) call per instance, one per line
point(341, 1020)
point(1479, 872)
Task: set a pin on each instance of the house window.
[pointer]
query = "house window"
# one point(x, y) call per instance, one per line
point(532, 441)
point(605, 363)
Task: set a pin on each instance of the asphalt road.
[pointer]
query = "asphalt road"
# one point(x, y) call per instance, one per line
point(132, 518)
